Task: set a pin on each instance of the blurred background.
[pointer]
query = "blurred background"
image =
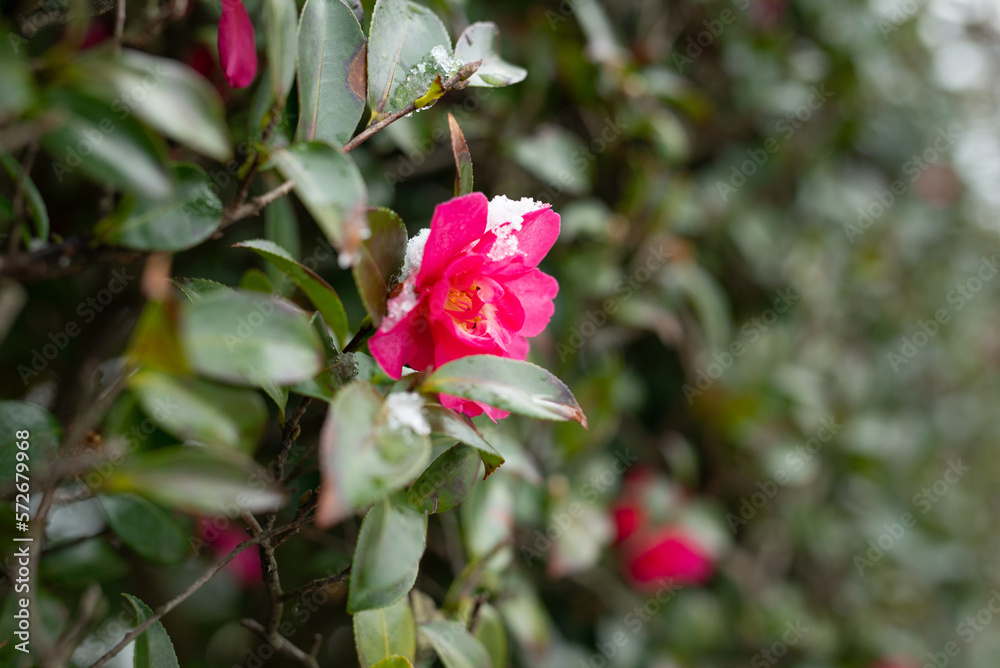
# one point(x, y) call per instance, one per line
point(777, 307)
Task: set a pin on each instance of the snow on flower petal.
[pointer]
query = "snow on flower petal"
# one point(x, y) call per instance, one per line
point(470, 286)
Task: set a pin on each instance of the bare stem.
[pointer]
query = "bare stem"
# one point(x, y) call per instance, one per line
point(282, 644)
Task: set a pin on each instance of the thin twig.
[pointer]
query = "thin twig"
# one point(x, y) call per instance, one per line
point(281, 644)
point(321, 583)
point(283, 532)
point(37, 534)
point(456, 82)
point(366, 330)
point(70, 638)
point(119, 26)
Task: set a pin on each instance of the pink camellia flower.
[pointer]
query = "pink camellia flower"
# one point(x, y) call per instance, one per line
point(245, 567)
point(237, 47)
point(470, 286)
point(669, 553)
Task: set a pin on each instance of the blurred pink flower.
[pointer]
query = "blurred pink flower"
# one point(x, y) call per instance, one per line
point(668, 553)
point(237, 48)
point(245, 567)
point(470, 286)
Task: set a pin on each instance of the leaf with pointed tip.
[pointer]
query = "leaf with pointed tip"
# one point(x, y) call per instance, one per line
point(478, 42)
point(331, 71)
point(320, 293)
point(390, 544)
point(382, 633)
point(331, 188)
point(153, 648)
point(381, 256)
point(447, 481)
point(454, 645)
point(463, 159)
point(196, 289)
point(519, 387)
point(402, 36)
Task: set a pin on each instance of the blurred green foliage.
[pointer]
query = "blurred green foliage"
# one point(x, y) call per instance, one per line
point(776, 293)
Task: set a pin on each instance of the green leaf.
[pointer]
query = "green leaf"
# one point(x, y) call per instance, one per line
point(248, 339)
point(210, 480)
point(184, 218)
point(145, 528)
point(455, 646)
point(36, 205)
point(44, 434)
point(382, 633)
point(447, 481)
point(387, 557)
point(280, 22)
point(195, 409)
point(487, 518)
point(255, 280)
point(196, 289)
point(478, 42)
point(366, 451)
point(446, 422)
point(153, 648)
point(331, 188)
point(463, 159)
point(394, 662)
point(155, 343)
point(519, 387)
point(380, 259)
point(332, 75)
point(401, 38)
point(318, 290)
point(107, 148)
point(79, 564)
point(490, 631)
point(16, 87)
point(282, 227)
point(164, 93)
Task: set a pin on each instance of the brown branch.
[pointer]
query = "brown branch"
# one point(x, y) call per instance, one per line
point(282, 644)
point(320, 583)
point(284, 532)
point(69, 639)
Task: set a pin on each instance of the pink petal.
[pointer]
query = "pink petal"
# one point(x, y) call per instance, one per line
point(668, 553)
point(408, 342)
point(535, 290)
point(455, 225)
point(237, 48)
point(538, 233)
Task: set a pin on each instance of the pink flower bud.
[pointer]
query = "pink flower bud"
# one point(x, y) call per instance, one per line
point(237, 48)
